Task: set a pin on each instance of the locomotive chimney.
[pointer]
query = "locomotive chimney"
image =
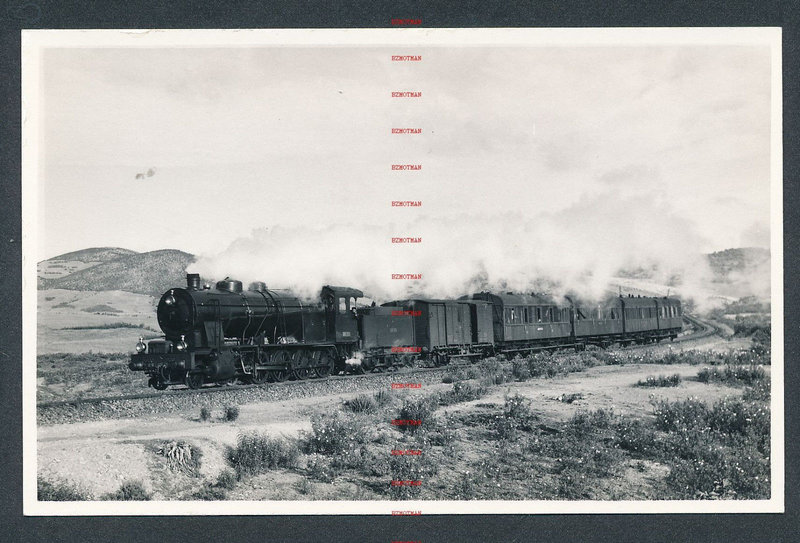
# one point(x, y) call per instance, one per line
point(193, 281)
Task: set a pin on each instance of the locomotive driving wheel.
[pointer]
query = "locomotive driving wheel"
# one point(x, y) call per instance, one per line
point(194, 380)
point(260, 376)
point(279, 358)
point(324, 366)
point(301, 364)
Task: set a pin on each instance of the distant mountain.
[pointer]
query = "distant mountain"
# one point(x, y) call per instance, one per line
point(95, 254)
point(143, 273)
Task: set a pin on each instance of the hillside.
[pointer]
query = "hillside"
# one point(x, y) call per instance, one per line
point(725, 262)
point(143, 273)
point(94, 254)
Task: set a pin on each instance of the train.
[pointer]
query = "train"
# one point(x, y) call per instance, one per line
point(225, 334)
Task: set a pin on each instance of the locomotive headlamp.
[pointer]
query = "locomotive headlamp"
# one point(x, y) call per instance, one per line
point(141, 347)
point(170, 300)
point(181, 346)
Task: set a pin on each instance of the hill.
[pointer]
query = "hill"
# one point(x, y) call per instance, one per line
point(744, 259)
point(94, 254)
point(144, 273)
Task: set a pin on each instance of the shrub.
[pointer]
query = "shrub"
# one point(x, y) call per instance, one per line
point(420, 408)
point(406, 469)
point(448, 378)
point(516, 416)
point(321, 468)
point(383, 397)
point(210, 493)
point(231, 413)
point(226, 479)
point(255, 453)
point(130, 491)
point(569, 398)
point(59, 490)
point(732, 374)
point(304, 487)
point(466, 487)
point(335, 433)
point(661, 381)
point(361, 404)
point(462, 392)
point(181, 456)
point(205, 413)
point(520, 370)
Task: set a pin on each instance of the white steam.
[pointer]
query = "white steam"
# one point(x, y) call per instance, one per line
point(578, 250)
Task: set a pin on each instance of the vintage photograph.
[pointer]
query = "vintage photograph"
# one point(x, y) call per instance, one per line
point(402, 271)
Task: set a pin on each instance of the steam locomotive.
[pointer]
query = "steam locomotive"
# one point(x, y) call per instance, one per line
point(225, 333)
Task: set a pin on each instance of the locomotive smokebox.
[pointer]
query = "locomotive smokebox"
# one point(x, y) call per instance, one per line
point(193, 281)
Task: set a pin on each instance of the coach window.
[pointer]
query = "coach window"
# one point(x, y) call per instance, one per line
point(342, 305)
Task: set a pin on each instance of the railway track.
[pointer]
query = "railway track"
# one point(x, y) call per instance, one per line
point(702, 330)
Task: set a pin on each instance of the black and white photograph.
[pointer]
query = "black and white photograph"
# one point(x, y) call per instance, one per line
point(402, 271)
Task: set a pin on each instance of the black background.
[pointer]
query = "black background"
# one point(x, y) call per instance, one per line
point(32, 14)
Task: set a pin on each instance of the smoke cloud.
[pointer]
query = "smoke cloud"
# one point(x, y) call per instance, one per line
point(576, 251)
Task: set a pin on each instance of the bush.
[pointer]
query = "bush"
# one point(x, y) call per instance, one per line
point(210, 493)
point(462, 392)
point(255, 453)
point(361, 404)
point(335, 433)
point(417, 409)
point(304, 487)
point(414, 469)
point(520, 370)
point(59, 490)
point(661, 381)
point(205, 413)
point(181, 456)
point(129, 491)
point(383, 397)
point(231, 413)
point(321, 468)
point(226, 479)
point(516, 416)
point(732, 374)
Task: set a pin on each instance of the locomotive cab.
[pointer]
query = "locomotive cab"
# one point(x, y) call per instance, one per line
point(342, 315)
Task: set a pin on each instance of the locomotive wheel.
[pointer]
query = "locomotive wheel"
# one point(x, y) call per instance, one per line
point(324, 365)
point(278, 376)
point(302, 362)
point(259, 377)
point(194, 380)
point(301, 374)
point(158, 383)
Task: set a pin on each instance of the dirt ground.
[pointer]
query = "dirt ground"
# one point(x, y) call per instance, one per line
point(100, 455)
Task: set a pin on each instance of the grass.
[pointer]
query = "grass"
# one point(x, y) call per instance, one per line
point(181, 456)
point(362, 404)
point(231, 413)
point(72, 376)
point(129, 491)
point(256, 453)
point(731, 374)
point(60, 490)
point(660, 381)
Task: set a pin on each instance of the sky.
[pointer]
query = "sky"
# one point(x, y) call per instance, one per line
point(565, 142)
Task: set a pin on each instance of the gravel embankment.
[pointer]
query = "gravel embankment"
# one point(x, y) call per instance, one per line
point(171, 402)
